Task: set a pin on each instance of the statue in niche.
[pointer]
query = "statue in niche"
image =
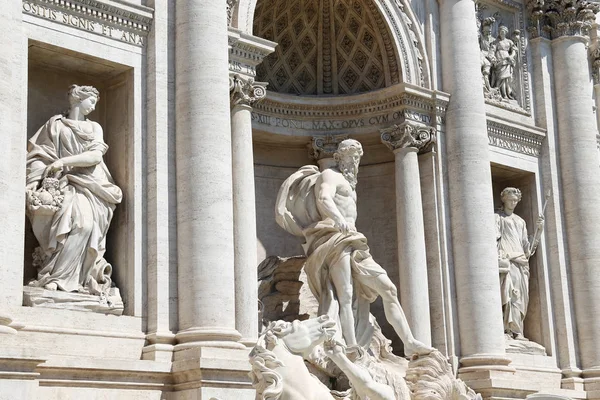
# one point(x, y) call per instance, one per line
point(514, 251)
point(71, 197)
point(320, 206)
point(505, 61)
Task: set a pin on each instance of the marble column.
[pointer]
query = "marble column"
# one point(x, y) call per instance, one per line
point(568, 26)
point(13, 104)
point(405, 141)
point(554, 229)
point(581, 187)
point(206, 288)
point(244, 93)
point(469, 186)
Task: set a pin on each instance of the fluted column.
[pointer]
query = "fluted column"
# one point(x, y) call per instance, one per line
point(580, 178)
point(244, 93)
point(470, 192)
point(405, 141)
point(206, 288)
point(567, 25)
point(13, 83)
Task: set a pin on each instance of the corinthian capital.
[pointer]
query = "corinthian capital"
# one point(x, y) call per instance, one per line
point(244, 91)
point(555, 18)
point(408, 134)
point(324, 146)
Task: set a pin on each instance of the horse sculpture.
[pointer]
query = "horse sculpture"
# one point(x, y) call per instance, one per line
point(279, 372)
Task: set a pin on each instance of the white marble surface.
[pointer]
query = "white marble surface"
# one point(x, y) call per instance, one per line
point(469, 181)
point(205, 248)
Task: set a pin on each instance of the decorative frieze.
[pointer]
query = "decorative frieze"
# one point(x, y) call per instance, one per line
point(514, 139)
point(409, 134)
point(246, 91)
point(553, 18)
point(126, 23)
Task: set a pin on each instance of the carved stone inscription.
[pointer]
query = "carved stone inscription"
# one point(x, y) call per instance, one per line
point(83, 23)
point(351, 123)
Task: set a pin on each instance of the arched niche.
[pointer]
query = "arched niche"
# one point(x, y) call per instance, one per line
point(310, 94)
point(405, 37)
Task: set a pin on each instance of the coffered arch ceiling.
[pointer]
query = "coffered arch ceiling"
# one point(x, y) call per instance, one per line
point(326, 47)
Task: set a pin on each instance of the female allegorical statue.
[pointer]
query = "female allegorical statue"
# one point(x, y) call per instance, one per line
point(506, 59)
point(514, 251)
point(71, 198)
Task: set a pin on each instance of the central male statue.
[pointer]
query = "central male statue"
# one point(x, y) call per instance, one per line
point(320, 205)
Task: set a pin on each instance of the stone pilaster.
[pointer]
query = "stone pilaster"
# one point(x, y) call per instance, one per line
point(406, 140)
point(244, 93)
point(161, 283)
point(205, 250)
point(471, 206)
point(13, 86)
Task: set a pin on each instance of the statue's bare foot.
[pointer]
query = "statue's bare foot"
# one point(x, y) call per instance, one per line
point(415, 348)
point(51, 286)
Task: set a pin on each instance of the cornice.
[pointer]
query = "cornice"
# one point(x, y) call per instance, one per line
point(112, 19)
point(384, 100)
point(113, 12)
point(247, 51)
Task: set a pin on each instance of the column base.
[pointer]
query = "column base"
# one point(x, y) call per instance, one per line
point(485, 362)
point(591, 382)
point(208, 372)
point(208, 337)
point(160, 347)
point(527, 376)
point(572, 379)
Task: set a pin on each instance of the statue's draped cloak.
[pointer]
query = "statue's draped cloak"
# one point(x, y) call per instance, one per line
point(74, 237)
point(297, 213)
point(511, 234)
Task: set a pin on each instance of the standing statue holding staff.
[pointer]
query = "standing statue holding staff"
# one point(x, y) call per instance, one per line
point(320, 205)
point(514, 251)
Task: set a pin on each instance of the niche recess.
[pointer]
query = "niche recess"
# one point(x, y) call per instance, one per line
point(502, 177)
point(51, 70)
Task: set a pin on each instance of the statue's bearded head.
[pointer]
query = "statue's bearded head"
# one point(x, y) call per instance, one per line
point(348, 156)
